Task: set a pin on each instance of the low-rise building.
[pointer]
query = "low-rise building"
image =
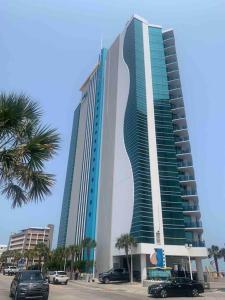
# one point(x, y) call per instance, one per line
point(3, 248)
point(28, 238)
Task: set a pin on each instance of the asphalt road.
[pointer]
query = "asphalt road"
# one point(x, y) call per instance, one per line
point(75, 291)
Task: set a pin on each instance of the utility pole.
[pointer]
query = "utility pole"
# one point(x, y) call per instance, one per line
point(188, 247)
point(131, 265)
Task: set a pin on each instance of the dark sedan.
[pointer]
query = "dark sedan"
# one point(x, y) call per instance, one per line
point(176, 287)
point(29, 285)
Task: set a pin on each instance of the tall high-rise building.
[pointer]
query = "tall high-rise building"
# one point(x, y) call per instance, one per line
point(130, 166)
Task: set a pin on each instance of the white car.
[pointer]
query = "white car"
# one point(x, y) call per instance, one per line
point(11, 270)
point(57, 277)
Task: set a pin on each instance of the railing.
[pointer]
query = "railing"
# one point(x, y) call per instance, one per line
point(174, 106)
point(186, 177)
point(185, 164)
point(181, 139)
point(175, 116)
point(175, 128)
point(190, 207)
point(198, 243)
point(183, 151)
point(197, 224)
point(188, 192)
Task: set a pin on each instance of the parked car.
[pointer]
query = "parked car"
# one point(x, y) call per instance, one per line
point(176, 287)
point(11, 270)
point(57, 277)
point(119, 274)
point(29, 285)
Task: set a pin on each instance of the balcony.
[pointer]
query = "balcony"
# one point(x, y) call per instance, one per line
point(170, 51)
point(181, 127)
point(186, 177)
point(196, 224)
point(177, 106)
point(181, 139)
point(183, 151)
point(188, 207)
point(178, 116)
point(198, 243)
point(184, 164)
point(188, 192)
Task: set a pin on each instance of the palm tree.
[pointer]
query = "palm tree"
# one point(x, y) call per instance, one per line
point(88, 244)
point(74, 251)
point(29, 255)
point(25, 145)
point(42, 252)
point(214, 252)
point(66, 255)
point(126, 242)
point(222, 253)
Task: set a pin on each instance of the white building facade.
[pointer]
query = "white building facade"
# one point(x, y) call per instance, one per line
point(130, 166)
point(3, 248)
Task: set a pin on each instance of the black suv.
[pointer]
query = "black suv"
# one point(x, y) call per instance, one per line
point(120, 274)
point(29, 285)
point(176, 287)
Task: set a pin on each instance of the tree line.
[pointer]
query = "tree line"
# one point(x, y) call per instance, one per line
point(62, 258)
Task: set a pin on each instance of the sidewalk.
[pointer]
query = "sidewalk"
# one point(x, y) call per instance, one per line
point(135, 288)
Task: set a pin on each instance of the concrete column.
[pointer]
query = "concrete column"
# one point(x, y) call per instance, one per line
point(199, 269)
point(143, 267)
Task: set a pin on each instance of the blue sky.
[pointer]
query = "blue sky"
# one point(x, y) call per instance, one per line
point(48, 48)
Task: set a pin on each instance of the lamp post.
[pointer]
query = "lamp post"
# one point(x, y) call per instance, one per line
point(188, 247)
point(131, 265)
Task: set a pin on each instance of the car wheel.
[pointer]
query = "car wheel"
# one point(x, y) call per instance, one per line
point(66, 282)
point(54, 281)
point(45, 297)
point(163, 294)
point(106, 280)
point(195, 293)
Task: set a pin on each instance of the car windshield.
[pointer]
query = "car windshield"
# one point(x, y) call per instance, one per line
point(61, 273)
point(12, 267)
point(31, 276)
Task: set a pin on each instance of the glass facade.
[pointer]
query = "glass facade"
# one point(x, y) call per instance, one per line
point(69, 179)
point(172, 209)
point(136, 134)
point(92, 199)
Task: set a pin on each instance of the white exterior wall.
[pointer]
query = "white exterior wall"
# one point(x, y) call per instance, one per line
point(116, 177)
point(70, 238)
point(79, 193)
point(153, 156)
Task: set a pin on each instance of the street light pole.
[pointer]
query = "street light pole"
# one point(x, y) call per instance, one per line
point(131, 265)
point(188, 247)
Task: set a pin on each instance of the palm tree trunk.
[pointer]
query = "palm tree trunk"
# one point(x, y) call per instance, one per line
point(72, 267)
point(128, 263)
point(216, 264)
point(88, 260)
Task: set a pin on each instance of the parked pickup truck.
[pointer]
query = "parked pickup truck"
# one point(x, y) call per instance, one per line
point(120, 274)
point(11, 270)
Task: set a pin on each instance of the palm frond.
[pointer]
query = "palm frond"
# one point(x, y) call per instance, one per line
point(16, 193)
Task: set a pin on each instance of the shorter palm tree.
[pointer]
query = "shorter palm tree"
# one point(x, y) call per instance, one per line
point(74, 252)
point(42, 252)
point(126, 242)
point(222, 253)
point(29, 255)
point(214, 252)
point(88, 244)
